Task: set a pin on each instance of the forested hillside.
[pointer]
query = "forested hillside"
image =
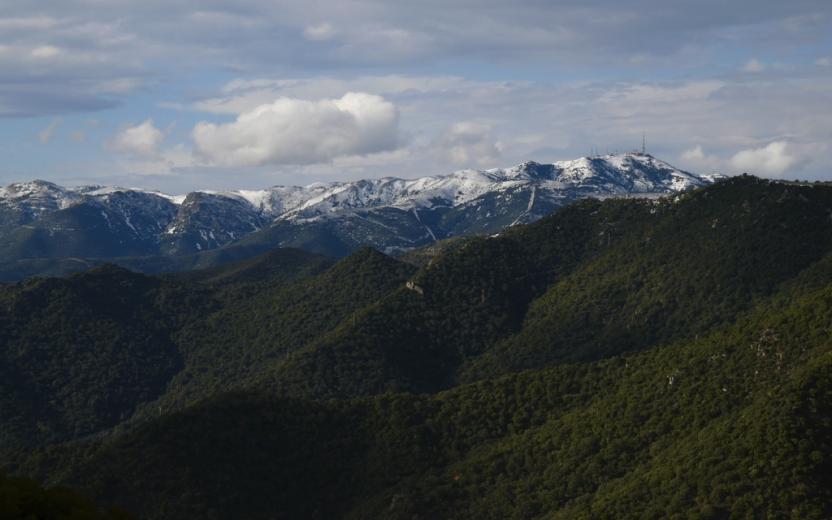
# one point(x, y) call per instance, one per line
point(618, 359)
point(22, 498)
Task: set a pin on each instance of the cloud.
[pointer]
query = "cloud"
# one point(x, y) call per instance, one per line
point(773, 159)
point(74, 60)
point(142, 140)
point(754, 65)
point(696, 159)
point(98, 53)
point(165, 162)
point(93, 47)
point(37, 80)
point(469, 144)
point(699, 123)
point(32, 100)
point(45, 135)
point(694, 154)
point(319, 32)
point(297, 131)
point(562, 78)
point(27, 23)
point(44, 52)
point(243, 95)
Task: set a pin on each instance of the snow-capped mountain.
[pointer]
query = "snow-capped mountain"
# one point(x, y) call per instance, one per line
point(40, 219)
point(610, 175)
point(30, 200)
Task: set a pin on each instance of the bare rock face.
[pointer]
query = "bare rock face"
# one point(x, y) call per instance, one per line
point(207, 221)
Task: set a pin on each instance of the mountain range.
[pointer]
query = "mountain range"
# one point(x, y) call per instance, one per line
point(49, 229)
point(620, 358)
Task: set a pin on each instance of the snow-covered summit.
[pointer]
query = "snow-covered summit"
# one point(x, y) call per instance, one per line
point(608, 175)
point(213, 218)
point(36, 198)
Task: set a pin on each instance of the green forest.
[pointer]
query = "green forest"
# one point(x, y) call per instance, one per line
point(624, 358)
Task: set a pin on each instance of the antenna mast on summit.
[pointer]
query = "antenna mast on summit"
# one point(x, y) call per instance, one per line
point(643, 143)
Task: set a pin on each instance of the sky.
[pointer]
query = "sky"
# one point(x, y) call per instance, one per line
point(179, 95)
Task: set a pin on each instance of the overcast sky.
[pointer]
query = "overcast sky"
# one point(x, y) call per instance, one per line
point(180, 94)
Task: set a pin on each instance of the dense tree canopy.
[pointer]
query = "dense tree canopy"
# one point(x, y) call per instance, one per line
point(619, 359)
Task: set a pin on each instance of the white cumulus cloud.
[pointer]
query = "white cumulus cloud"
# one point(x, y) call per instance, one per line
point(297, 131)
point(141, 140)
point(699, 160)
point(469, 144)
point(694, 154)
point(772, 159)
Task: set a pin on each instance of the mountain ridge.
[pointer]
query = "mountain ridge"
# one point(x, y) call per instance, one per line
point(40, 219)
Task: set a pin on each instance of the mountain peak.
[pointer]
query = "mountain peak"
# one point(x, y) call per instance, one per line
point(630, 172)
point(389, 214)
point(36, 198)
point(33, 187)
point(531, 170)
